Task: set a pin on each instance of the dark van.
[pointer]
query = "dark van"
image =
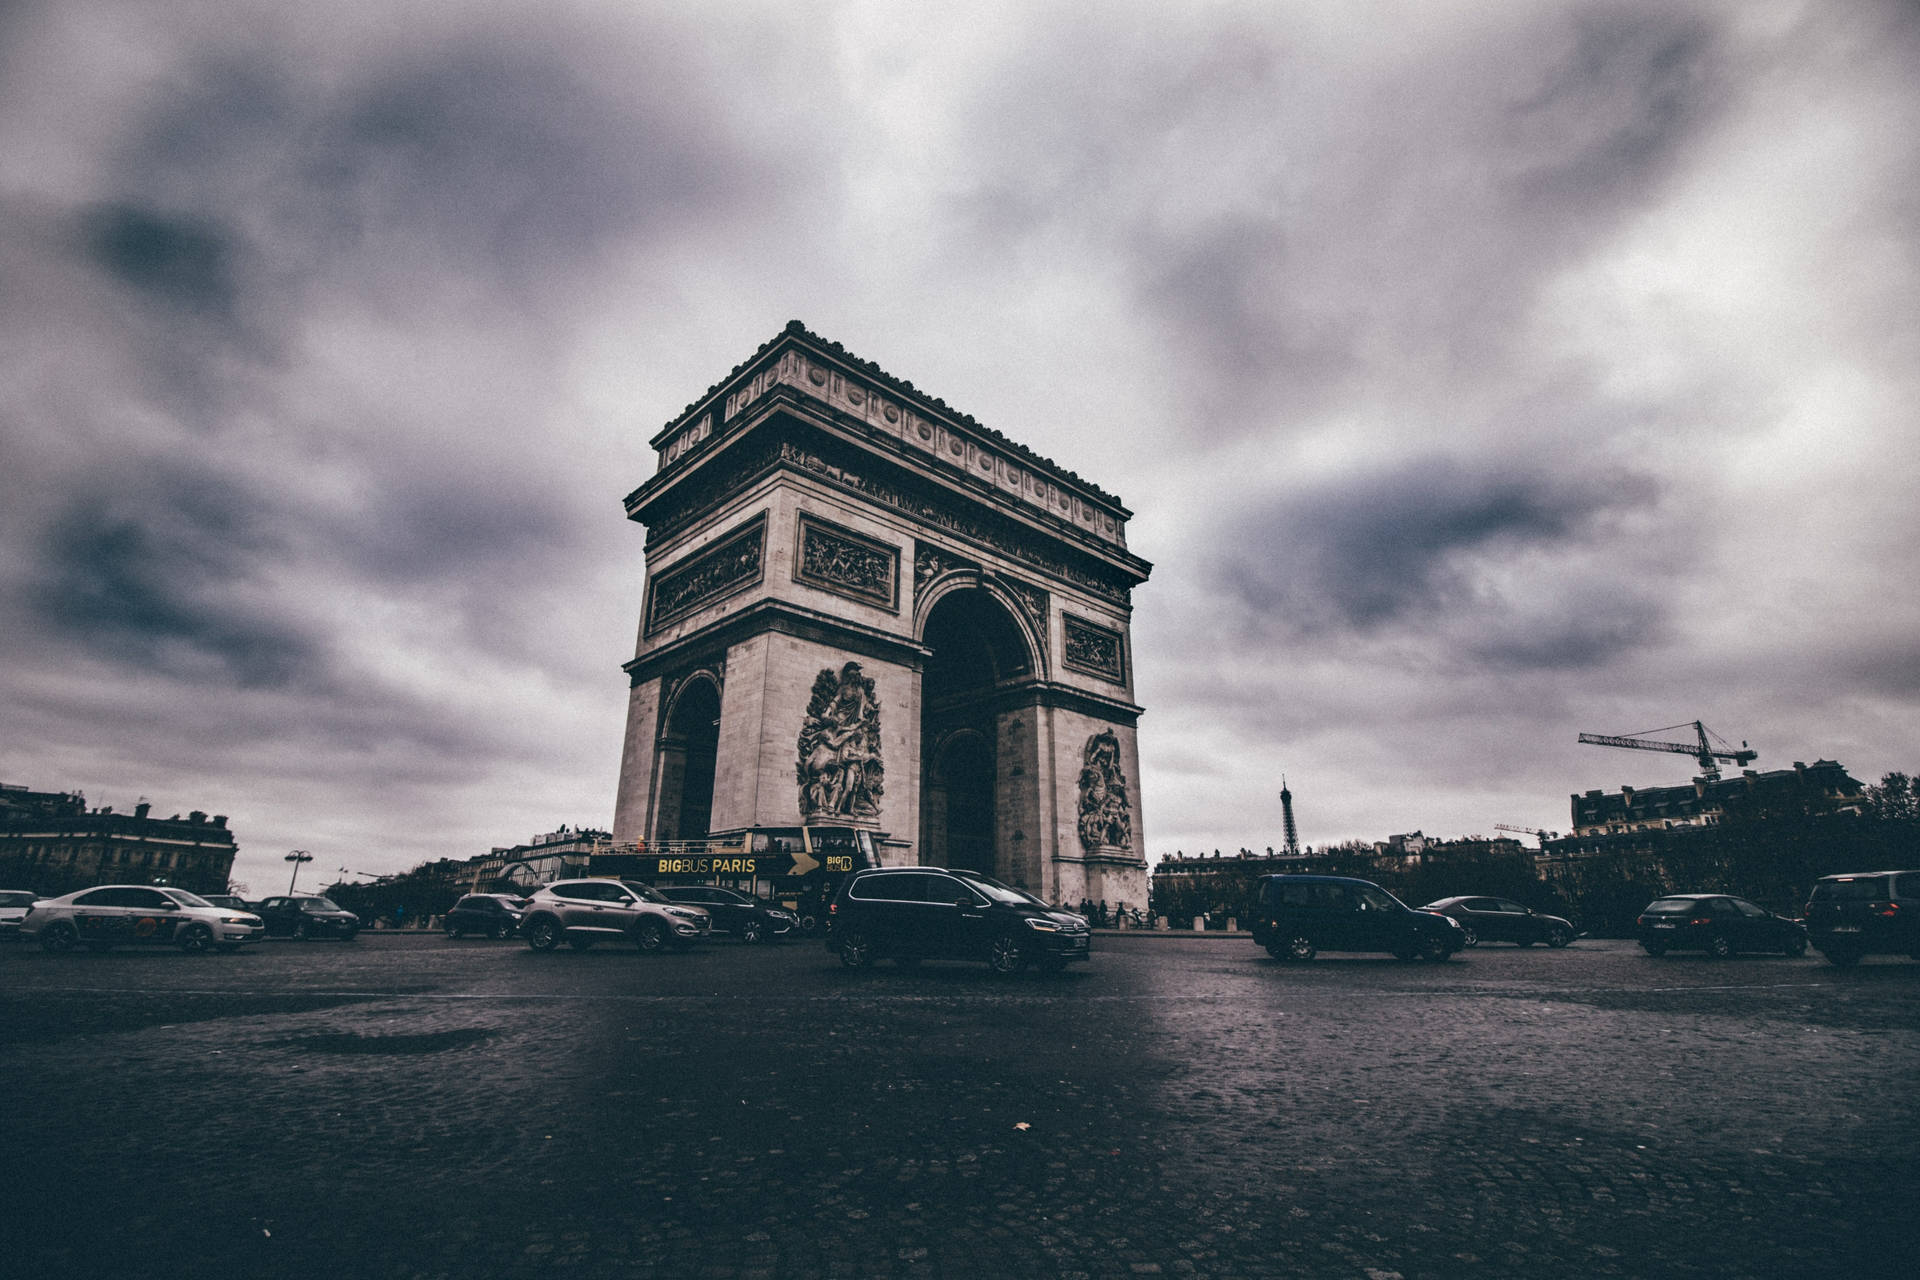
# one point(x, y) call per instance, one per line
point(1295, 917)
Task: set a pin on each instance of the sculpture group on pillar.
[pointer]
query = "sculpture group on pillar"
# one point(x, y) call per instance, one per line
point(840, 772)
point(1106, 814)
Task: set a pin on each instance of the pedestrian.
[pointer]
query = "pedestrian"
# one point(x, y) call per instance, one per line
point(1103, 913)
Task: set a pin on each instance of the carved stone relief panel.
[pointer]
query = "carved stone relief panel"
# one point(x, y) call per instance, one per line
point(730, 565)
point(1033, 600)
point(929, 562)
point(844, 562)
point(1106, 809)
point(1093, 649)
point(839, 769)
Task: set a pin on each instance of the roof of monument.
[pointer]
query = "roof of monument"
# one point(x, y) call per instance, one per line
point(899, 386)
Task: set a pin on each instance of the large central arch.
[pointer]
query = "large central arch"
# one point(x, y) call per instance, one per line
point(980, 658)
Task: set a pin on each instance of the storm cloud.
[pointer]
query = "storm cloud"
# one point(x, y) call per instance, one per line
point(1478, 375)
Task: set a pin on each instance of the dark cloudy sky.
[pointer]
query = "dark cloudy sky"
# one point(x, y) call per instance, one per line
point(1479, 374)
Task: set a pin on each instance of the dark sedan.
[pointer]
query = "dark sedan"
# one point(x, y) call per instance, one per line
point(1503, 920)
point(746, 917)
point(485, 915)
point(1718, 924)
point(307, 915)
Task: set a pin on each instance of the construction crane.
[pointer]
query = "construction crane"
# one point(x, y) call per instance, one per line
point(1704, 750)
point(1536, 832)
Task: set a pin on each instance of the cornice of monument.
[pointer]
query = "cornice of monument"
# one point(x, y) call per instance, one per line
point(695, 429)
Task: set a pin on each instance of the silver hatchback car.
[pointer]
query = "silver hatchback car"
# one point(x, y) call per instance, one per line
point(113, 915)
point(583, 912)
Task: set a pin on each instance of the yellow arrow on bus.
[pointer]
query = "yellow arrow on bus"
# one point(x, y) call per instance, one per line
point(803, 862)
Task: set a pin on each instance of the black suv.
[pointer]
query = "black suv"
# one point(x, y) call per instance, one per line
point(1295, 917)
point(910, 914)
point(487, 915)
point(746, 917)
point(1865, 913)
point(306, 915)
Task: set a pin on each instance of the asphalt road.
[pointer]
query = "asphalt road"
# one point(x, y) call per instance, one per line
point(405, 1105)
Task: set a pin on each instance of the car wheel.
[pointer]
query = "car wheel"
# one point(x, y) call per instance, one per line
point(1433, 949)
point(196, 939)
point(59, 938)
point(1298, 948)
point(1472, 938)
point(299, 933)
point(543, 934)
point(1795, 948)
point(1560, 937)
point(652, 936)
point(1005, 955)
point(856, 950)
point(1719, 947)
point(1844, 957)
point(454, 931)
point(752, 931)
point(1653, 949)
point(502, 931)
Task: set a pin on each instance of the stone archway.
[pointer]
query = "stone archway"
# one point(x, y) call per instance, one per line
point(978, 659)
point(689, 755)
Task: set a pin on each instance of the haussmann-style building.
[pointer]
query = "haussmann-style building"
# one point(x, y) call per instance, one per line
point(52, 843)
point(866, 611)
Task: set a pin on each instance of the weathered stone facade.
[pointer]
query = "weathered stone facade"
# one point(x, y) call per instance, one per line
point(865, 608)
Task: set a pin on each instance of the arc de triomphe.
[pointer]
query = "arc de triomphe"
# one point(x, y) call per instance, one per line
point(863, 608)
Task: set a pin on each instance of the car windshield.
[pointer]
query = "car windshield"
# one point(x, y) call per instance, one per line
point(1438, 904)
point(186, 899)
point(998, 892)
point(17, 899)
point(1670, 907)
point(318, 904)
point(1862, 889)
point(647, 893)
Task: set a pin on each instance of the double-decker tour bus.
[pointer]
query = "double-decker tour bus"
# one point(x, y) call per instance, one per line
point(798, 867)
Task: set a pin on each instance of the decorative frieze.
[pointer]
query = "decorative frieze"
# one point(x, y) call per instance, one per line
point(1092, 648)
point(842, 561)
point(730, 565)
point(1003, 535)
point(959, 444)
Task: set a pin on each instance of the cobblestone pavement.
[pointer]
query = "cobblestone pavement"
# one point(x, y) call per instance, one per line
point(409, 1106)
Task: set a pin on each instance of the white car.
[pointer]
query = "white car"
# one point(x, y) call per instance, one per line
point(13, 909)
point(112, 915)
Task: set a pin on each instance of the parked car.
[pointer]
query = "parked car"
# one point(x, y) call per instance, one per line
point(112, 915)
point(486, 915)
point(1865, 913)
point(1295, 917)
point(307, 915)
point(746, 917)
point(13, 909)
point(583, 912)
point(1718, 924)
point(910, 914)
point(1503, 920)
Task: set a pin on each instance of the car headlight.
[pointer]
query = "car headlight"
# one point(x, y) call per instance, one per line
point(1044, 926)
point(683, 913)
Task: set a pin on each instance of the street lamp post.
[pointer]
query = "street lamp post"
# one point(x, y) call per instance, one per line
point(297, 857)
